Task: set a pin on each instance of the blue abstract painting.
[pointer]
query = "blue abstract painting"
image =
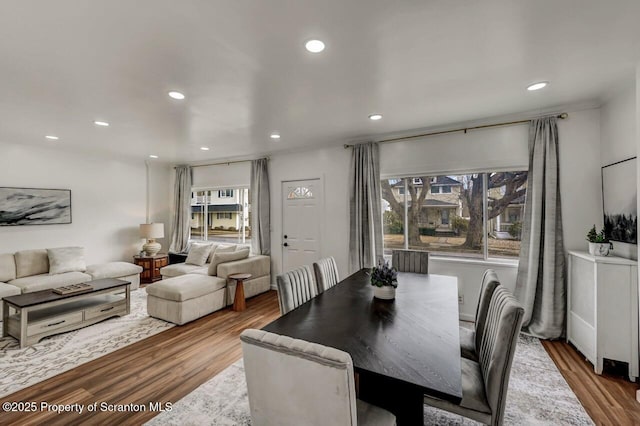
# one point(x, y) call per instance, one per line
point(30, 206)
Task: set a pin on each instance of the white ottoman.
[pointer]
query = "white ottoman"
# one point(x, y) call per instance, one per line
point(121, 270)
point(7, 290)
point(185, 298)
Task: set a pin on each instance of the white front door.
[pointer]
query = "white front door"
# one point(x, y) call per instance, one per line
point(302, 204)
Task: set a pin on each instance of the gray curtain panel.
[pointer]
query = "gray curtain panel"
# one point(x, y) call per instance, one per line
point(181, 224)
point(540, 285)
point(260, 207)
point(365, 204)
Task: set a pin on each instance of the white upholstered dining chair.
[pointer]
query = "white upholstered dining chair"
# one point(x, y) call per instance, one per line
point(410, 261)
point(295, 382)
point(326, 272)
point(485, 383)
point(470, 339)
point(295, 287)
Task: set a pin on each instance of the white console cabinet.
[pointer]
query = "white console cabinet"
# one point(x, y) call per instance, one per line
point(602, 309)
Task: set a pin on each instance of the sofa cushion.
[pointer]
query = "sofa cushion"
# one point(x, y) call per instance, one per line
point(219, 258)
point(185, 287)
point(7, 267)
point(198, 254)
point(8, 290)
point(178, 269)
point(66, 259)
point(31, 262)
point(257, 266)
point(113, 270)
point(46, 281)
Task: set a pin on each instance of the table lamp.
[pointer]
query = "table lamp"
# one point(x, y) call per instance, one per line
point(151, 231)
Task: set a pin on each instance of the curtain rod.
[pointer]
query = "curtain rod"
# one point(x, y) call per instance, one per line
point(223, 163)
point(561, 116)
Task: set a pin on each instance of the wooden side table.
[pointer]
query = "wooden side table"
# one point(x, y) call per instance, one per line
point(151, 267)
point(239, 304)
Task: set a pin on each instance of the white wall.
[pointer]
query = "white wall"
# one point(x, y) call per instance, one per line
point(332, 166)
point(222, 175)
point(108, 200)
point(618, 141)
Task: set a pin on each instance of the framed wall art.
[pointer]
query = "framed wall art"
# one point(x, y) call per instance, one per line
point(619, 198)
point(34, 206)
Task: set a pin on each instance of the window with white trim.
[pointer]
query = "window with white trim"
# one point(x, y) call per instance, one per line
point(221, 215)
point(474, 215)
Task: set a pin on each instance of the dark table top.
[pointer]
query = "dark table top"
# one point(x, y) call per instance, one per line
point(46, 296)
point(413, 339)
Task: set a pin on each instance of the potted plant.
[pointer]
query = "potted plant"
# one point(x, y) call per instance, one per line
point(599, 244)
point(384, 280)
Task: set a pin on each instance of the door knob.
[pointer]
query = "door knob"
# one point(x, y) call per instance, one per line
point(286, 244)
point(285, 237)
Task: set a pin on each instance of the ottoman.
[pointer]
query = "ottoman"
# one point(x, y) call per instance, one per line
point(186, 297)
point(121, 270)
point(7, 290)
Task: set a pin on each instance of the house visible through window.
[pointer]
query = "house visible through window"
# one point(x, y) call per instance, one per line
point(448, 214)
point(221, 215)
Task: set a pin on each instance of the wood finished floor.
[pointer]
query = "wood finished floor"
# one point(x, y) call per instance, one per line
point(169, 365)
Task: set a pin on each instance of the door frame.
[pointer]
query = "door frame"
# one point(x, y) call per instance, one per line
point(321, 180)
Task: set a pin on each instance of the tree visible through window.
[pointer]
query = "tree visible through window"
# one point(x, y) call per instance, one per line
point(447, 213)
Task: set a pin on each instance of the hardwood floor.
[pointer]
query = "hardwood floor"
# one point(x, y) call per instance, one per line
point(169, 365)
point(608, 399)
point(161, 368)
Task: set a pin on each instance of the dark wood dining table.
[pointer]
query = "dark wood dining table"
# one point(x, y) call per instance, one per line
point(401, 349)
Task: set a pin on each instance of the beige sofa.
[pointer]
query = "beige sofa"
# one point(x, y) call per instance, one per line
point(28, 271)
point(188, 292)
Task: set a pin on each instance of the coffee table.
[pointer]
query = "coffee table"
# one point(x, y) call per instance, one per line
point(239, 304)
point(44, 313)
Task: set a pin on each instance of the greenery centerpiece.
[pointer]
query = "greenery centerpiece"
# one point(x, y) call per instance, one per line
point(599, 244)
point(384, 279)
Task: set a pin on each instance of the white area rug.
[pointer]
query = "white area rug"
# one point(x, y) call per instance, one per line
point(20, 368)
point(538, 395)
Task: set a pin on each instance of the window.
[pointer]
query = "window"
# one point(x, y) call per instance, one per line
point(221, 215)
point(474, 215)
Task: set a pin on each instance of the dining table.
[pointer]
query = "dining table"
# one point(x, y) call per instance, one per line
point(401, 349)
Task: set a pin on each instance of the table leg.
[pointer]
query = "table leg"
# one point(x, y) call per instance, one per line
point(24, 315)
point(238, 301)
point(5, 319)
point(403, 400)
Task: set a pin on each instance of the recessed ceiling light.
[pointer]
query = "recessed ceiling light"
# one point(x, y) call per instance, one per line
point(176, 95)
point(153, 156)
point(375, 117)
point(537, 86)
point(51, 137)
point(101, 123)
point(314, 46)
point(204, 148)
point(275, 136)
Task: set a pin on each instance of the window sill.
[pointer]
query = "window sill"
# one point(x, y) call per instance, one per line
point(509, 263)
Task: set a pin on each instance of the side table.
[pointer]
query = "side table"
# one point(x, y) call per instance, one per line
point(151, 267)
point(239, 304)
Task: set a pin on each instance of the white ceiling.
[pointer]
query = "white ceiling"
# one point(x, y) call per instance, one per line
point(245, 72)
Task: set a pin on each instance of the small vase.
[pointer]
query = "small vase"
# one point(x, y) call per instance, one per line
point(599, 249)
point(386, 292)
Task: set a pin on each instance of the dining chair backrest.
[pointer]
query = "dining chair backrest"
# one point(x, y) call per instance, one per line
point(295, 288)
point(489, 284)
point(295, 382)
point(326, 272)
point(499, 339)
point(410, 261)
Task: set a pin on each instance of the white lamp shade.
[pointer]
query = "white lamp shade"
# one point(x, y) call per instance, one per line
point(152, 230)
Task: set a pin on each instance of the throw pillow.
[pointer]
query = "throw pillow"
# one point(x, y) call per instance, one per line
point(66, 259)
point(219, 258)
point(198, 254)
point(221, 248)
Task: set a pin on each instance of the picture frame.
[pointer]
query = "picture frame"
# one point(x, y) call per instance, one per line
point(34, 206)
point(619, 201)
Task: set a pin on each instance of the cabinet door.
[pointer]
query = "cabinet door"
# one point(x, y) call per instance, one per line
point(616, 301)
